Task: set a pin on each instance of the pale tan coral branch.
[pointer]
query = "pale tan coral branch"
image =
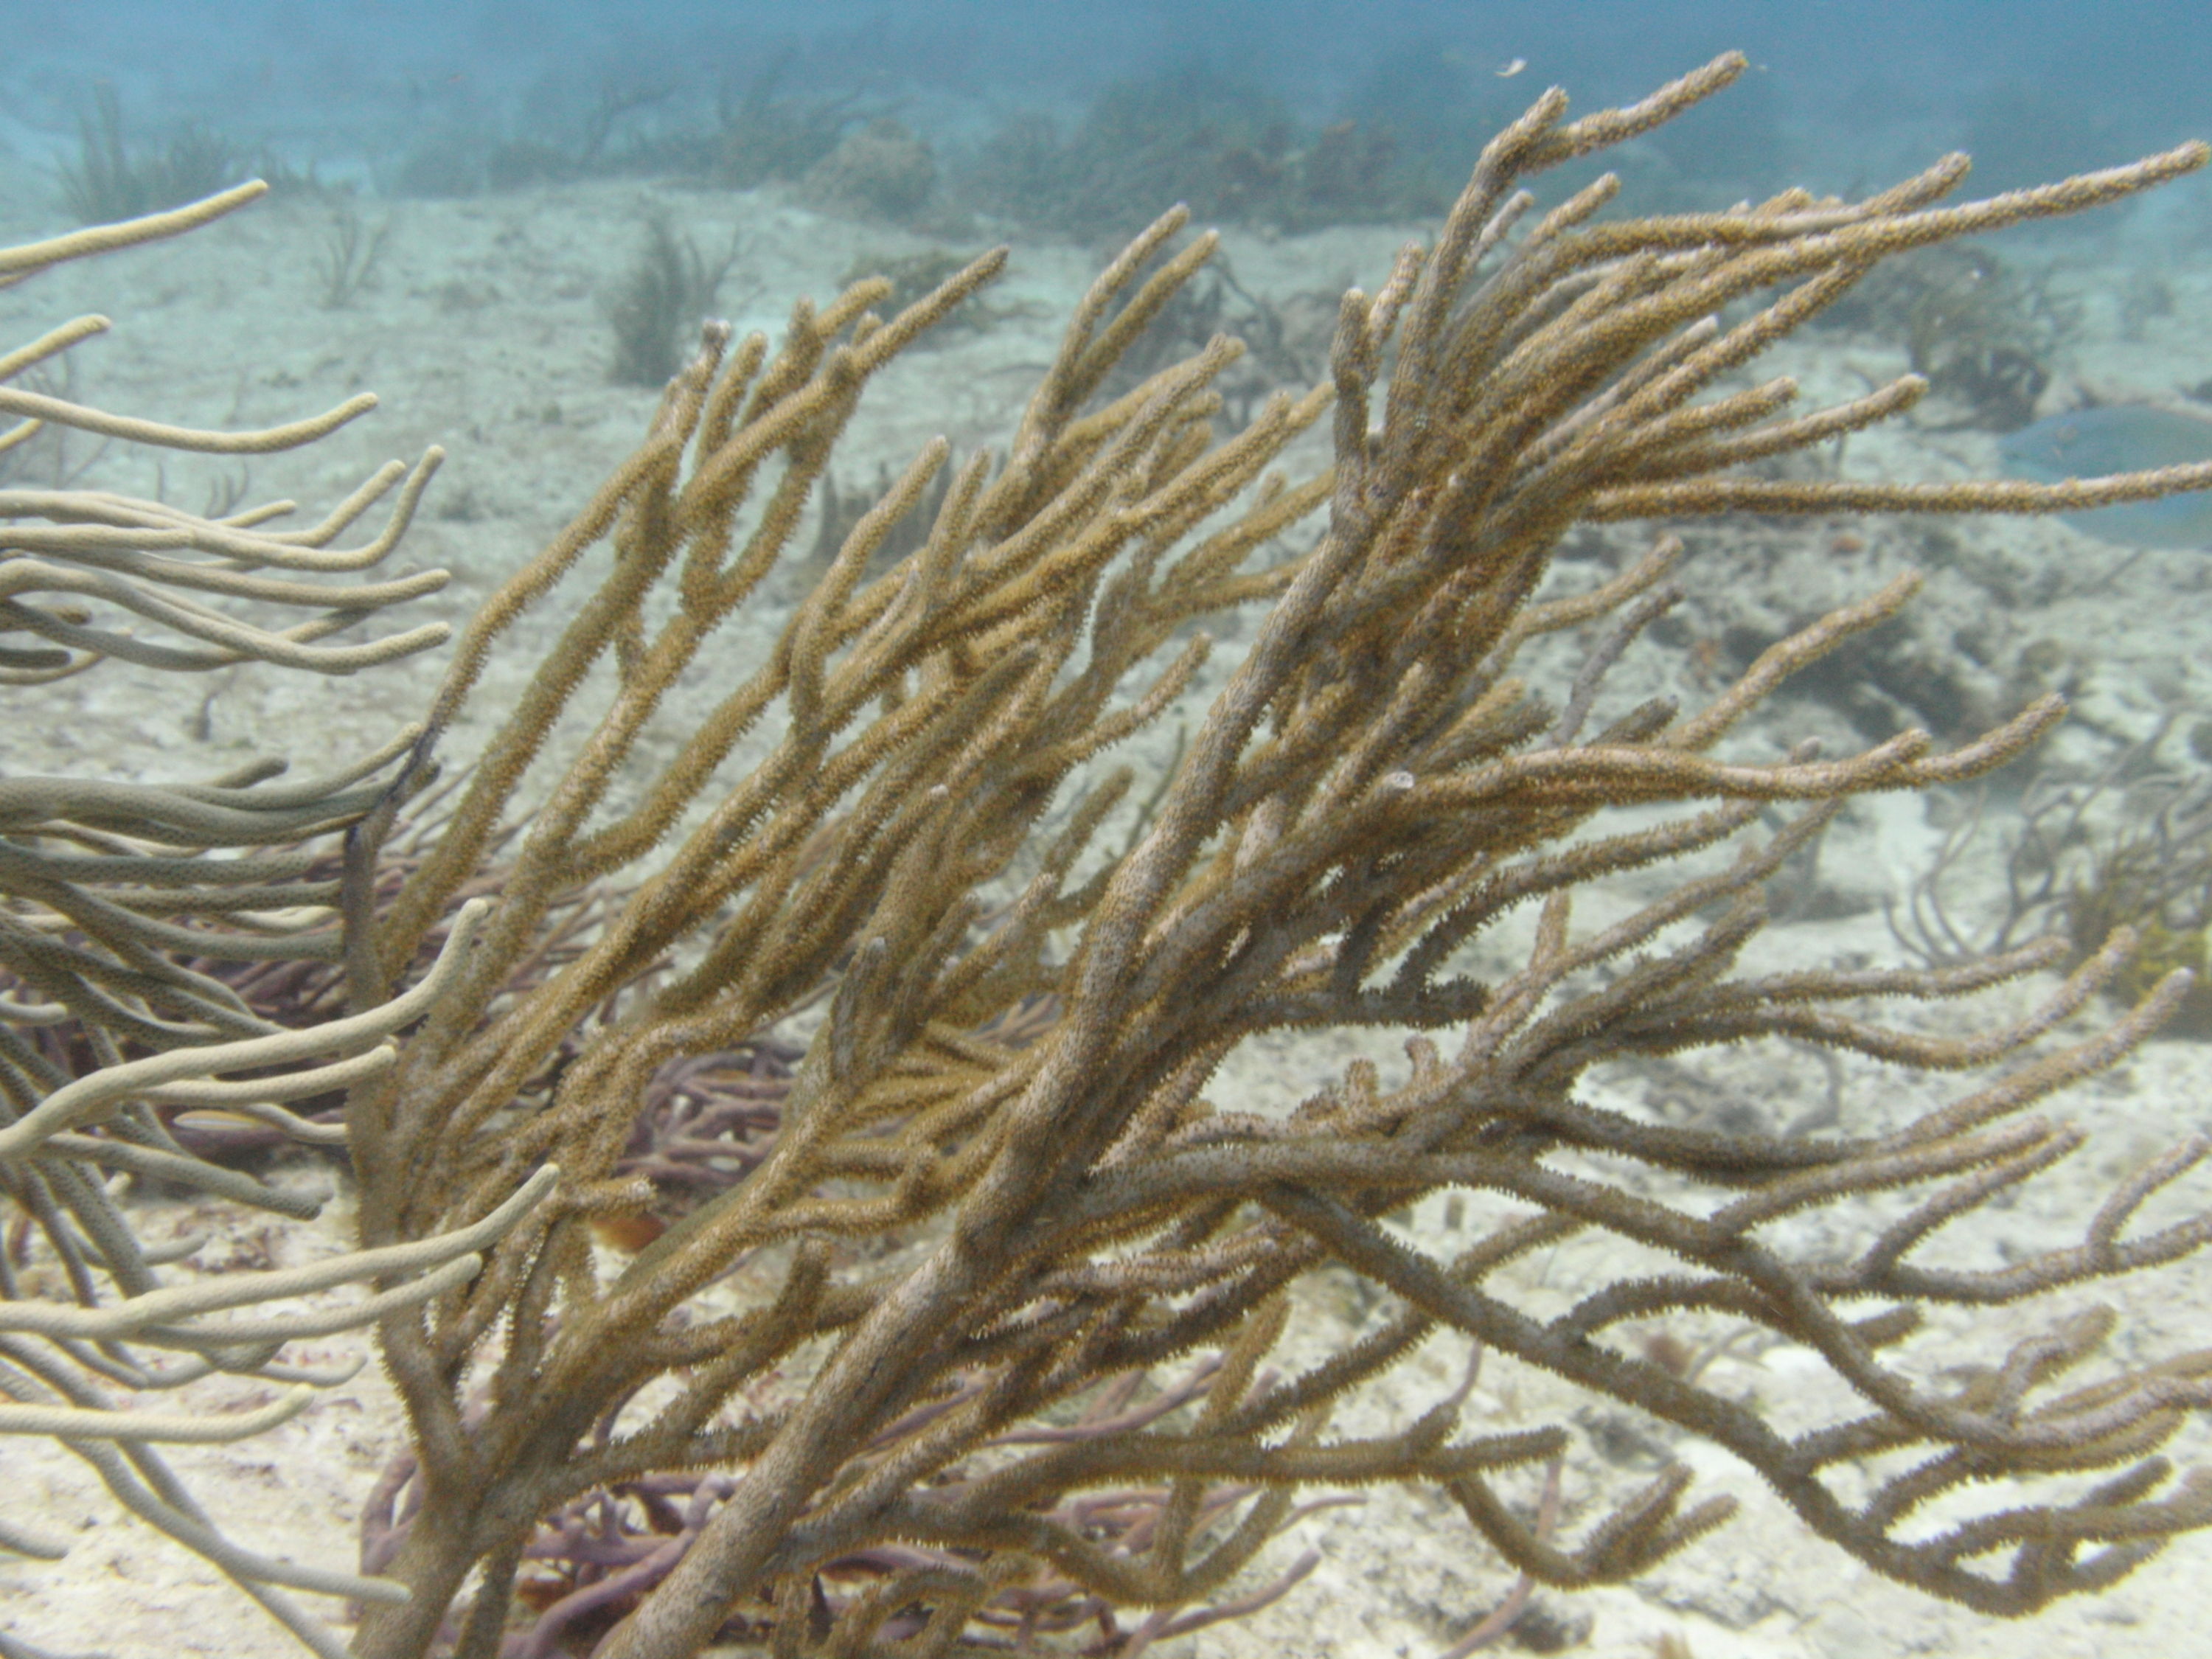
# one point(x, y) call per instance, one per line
point(69, 1423)
point(23, 260)
point(91, 1098)
point(452, 1255)
point(57, 411)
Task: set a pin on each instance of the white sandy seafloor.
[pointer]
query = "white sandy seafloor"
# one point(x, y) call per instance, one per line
point(482, 329)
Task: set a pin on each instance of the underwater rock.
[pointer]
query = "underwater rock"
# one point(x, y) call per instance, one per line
point(881, 172)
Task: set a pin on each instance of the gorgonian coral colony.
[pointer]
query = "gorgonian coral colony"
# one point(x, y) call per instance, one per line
point(977, 1351)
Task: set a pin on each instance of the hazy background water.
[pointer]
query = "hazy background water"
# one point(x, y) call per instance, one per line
point(1844, 93)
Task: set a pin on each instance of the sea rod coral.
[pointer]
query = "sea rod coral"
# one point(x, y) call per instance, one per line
point(109, 893)
point(991, 1346)
point(859, 1397)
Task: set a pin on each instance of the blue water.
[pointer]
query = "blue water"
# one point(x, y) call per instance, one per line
point(1843, 91)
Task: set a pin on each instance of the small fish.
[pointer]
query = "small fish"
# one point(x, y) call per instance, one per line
point(2088, 443)
point(1513, 69)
